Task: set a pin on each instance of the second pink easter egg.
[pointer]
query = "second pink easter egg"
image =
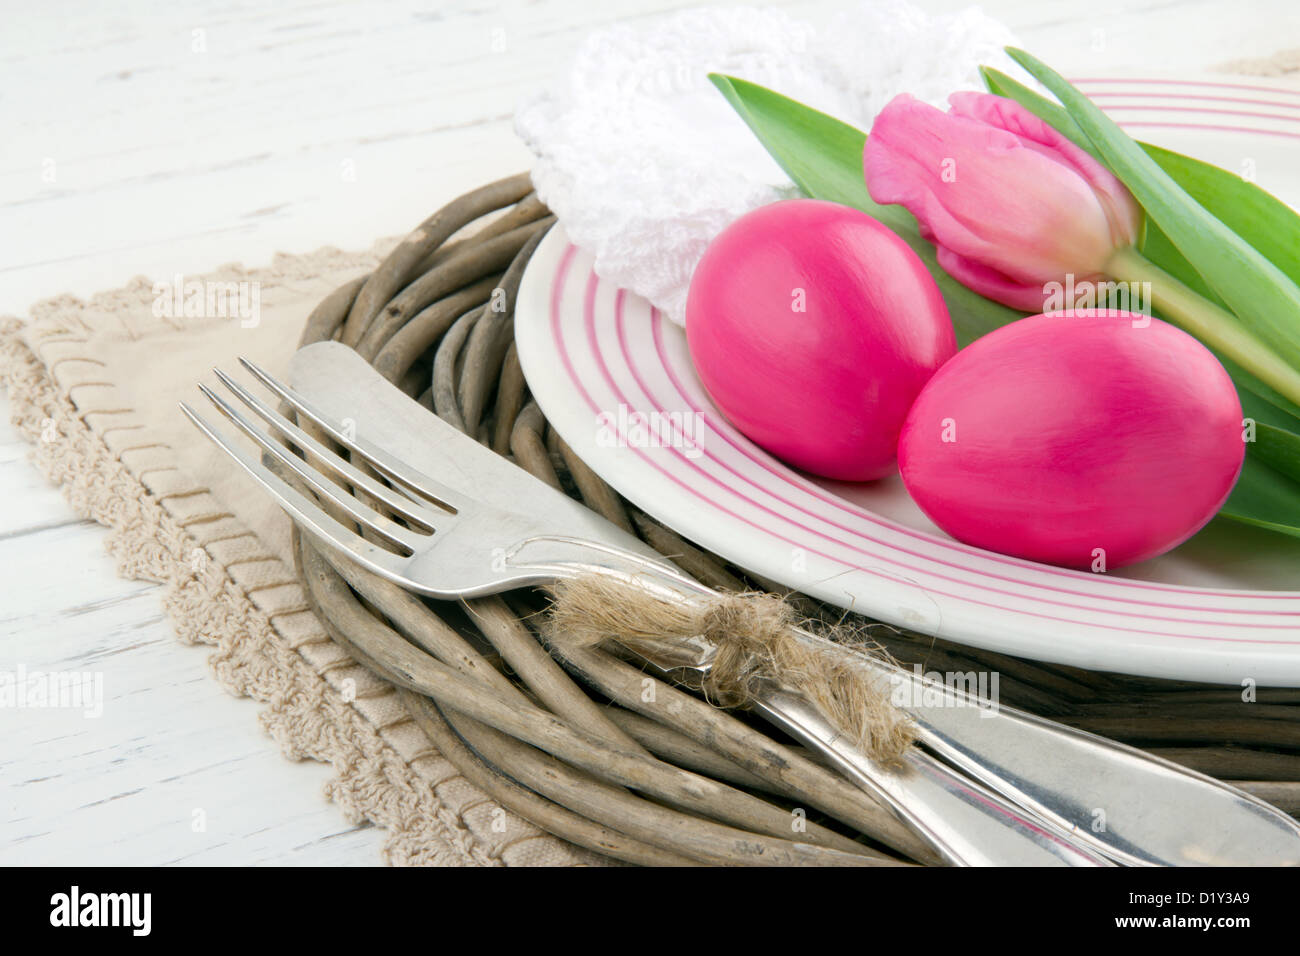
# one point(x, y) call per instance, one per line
point(1089, 440)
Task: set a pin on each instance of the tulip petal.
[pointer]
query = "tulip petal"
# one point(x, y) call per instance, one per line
point(990, 283)
point(1122, 212)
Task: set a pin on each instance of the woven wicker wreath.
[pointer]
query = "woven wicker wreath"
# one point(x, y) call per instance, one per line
point(599, 752)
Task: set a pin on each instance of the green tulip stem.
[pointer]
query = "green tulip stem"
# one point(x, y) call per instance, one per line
point(1212, 324)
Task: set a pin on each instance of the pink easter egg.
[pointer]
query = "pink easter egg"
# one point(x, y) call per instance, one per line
point(1088, 439)
point(813, 327)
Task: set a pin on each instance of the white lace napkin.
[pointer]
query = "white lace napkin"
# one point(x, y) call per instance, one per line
point(644, 161)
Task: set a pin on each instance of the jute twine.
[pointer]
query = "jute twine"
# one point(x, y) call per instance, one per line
point(754, 644)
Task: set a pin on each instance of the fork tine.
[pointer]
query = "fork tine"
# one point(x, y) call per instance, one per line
point(306, 513)
point(387, 529)
point(380, 460)
point(399, 504)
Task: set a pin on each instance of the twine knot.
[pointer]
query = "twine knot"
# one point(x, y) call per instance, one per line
point(754, 641)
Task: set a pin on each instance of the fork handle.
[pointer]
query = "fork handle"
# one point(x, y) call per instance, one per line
point(965, 823)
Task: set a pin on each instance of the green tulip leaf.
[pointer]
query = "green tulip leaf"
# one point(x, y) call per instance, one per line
point(1053, 114)
point(1276, 446)
point(1264, 497)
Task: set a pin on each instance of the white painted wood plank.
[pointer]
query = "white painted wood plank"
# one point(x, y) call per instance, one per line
point(27, 501)
point(127, 785)
point(129, 152)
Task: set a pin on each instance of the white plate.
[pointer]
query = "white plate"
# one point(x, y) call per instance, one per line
point(1221, 608)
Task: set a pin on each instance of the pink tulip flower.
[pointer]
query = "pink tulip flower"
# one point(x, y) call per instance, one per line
point(1010, 203)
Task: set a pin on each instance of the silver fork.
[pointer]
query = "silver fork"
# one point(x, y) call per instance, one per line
point(466, 533)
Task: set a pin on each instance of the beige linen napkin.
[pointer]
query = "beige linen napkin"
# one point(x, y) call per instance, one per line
point(95, 386)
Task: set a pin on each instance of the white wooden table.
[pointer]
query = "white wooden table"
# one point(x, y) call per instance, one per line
point(156, 138)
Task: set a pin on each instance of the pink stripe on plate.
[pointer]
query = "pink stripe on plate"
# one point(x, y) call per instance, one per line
point(1206, 97)
point(1166, 108)
point(1255, 131)
point(1167, 82)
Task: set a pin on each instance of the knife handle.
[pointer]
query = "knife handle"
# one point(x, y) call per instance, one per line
point(1136, 808)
